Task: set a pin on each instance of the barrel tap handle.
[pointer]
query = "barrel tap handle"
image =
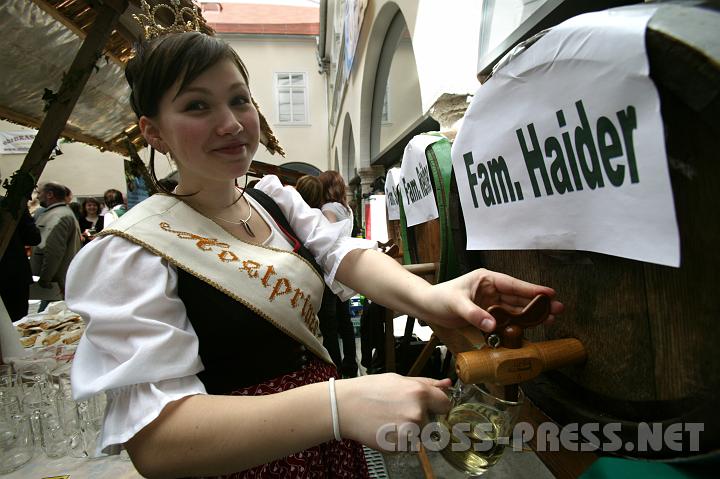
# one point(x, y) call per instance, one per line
point(509, 327)
point(508, 358)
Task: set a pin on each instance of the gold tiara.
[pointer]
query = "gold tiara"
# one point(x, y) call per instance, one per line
point(186, 19)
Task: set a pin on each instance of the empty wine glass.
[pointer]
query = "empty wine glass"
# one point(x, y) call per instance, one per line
point(16, 442)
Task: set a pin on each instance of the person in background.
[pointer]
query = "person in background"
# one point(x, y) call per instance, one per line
point(60, 238)
point(357, 230)
point(115, 205)
point(33, 205)
point(311, 189)
point(91, 223)
point(335, 209)
point(76, 209)
point(200, 303)
point(16, 275)
point(72, 204)
point(68, 195)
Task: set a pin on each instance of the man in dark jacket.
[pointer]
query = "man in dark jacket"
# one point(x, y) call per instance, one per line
point(60, 240)
point(16, 275)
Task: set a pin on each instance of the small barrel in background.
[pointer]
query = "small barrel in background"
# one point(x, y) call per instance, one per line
point(431, 242)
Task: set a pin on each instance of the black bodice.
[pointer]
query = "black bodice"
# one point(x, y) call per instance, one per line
point(237, 347)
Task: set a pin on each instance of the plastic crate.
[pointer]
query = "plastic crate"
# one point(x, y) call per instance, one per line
point(375, 463)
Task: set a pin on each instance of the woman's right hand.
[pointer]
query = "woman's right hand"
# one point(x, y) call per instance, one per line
point(367, 403)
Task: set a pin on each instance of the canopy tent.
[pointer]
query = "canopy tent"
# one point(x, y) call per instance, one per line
point(41, 39)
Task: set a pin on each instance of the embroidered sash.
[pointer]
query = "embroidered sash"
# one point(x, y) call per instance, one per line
point(278, 285)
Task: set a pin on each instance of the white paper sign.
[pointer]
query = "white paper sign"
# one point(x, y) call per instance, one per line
point(392, 179)
point(415, 186)
point(16, 142)
point(563, 147)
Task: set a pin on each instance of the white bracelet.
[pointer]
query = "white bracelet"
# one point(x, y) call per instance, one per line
point(333, 408)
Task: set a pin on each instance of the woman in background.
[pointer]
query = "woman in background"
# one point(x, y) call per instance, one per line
point(115, 205)
point(335, 209)
point(311, 189)
point(90, 221)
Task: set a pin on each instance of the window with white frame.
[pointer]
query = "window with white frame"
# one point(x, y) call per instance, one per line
point(291, 94)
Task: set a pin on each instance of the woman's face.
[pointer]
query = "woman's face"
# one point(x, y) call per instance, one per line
point(91, 208)
point(211, 127)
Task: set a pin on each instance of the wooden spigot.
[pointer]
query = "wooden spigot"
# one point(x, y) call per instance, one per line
point(508, 359)
point(512, 366)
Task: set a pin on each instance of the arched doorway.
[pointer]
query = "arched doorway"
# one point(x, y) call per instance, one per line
point(396, 104)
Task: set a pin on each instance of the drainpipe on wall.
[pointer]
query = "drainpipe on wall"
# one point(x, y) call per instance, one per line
point(323, 61)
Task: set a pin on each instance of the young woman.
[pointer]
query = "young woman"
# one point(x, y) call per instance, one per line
point(335, 207)
point(91, 222)
point(200, 304)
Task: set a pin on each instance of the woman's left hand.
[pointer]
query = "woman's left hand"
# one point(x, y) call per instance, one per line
point(463, 300)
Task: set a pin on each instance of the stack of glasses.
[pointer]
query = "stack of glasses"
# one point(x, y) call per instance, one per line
point(39, 416)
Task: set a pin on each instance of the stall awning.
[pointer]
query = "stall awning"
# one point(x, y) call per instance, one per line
point(40, 40)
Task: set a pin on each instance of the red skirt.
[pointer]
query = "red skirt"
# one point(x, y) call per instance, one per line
point(334, 459)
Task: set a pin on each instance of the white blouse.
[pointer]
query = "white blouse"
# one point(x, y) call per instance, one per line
point(343, 215)
point(139, 345)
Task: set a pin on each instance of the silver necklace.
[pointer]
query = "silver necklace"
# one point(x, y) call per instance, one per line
point(243, 222)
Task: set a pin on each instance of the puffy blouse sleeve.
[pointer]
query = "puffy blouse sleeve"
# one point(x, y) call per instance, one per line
point(327, 241)
point(139, 345)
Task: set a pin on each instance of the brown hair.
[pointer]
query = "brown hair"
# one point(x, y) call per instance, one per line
point(311, 189)
point(333, 187)
point(160, 62)
point(83, 208)
point(113, 197)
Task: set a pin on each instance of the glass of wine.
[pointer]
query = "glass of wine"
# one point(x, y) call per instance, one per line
point(480, 427)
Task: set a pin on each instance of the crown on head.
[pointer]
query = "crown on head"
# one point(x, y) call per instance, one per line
point(186, 19)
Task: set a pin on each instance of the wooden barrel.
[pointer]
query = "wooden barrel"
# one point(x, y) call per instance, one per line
point(431, 242)
point(651, 332)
